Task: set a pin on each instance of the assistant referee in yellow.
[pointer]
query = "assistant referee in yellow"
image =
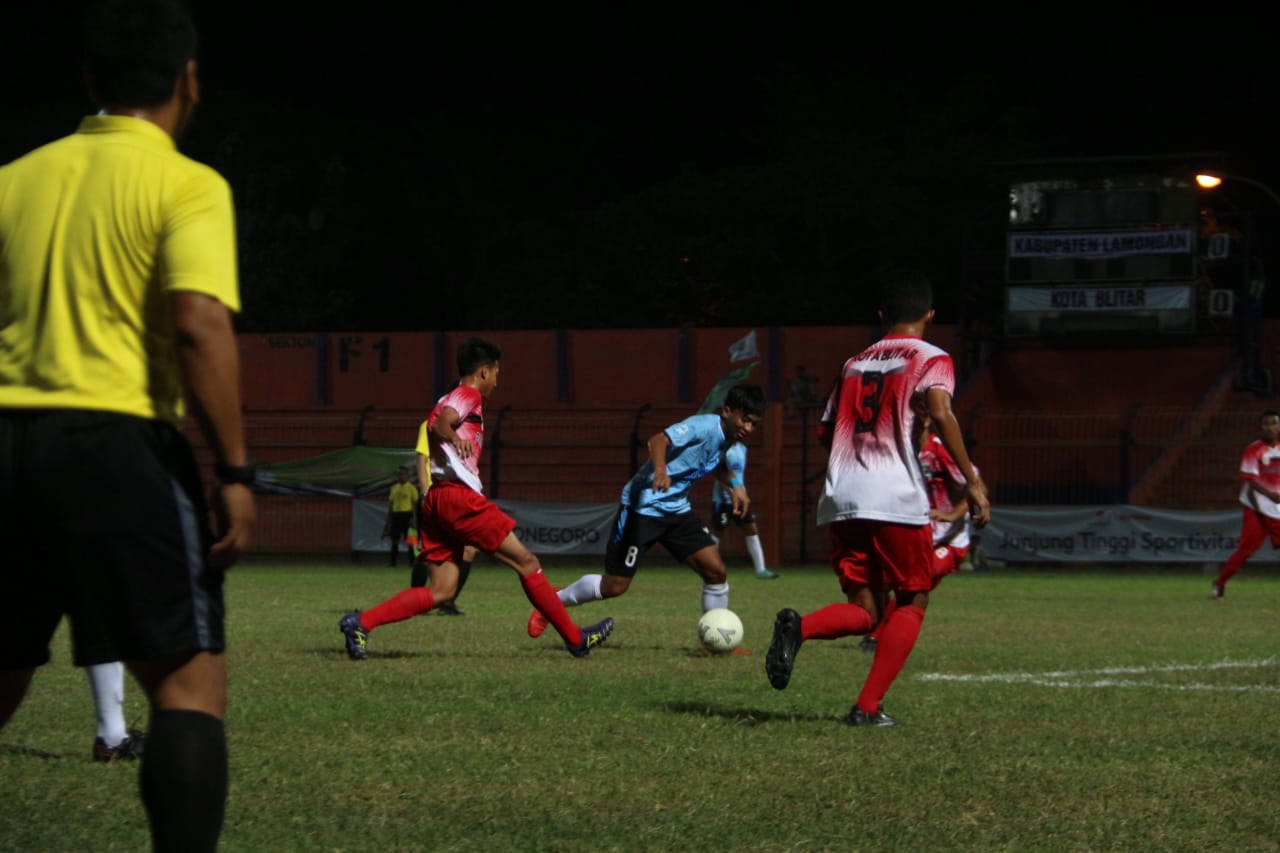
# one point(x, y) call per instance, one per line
point(117, 284)
point(402, 506)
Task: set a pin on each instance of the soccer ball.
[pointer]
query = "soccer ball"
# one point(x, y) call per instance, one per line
point(720, 630)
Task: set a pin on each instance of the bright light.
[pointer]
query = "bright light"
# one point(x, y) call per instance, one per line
point(1209, 182)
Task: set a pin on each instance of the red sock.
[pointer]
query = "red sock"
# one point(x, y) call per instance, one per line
point(540, 594)
point(835, 620)
point(1229, 568)
point(399, 607)
point(897, 637)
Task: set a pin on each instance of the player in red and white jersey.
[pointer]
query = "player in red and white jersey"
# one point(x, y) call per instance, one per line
point(455, 514)
point(1260, 495)
point(872, 472)
point(874, 501)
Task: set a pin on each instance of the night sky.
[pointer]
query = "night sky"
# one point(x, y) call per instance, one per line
point(613, 165)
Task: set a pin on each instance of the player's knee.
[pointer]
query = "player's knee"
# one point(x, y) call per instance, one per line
point(916, 598)
point(712, 573)
point(612, 586)
point(513, 552)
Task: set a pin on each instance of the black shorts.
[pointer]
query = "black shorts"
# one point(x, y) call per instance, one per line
point(400, 524)
point(633, 535)
point(722, 516)
point(104, 522)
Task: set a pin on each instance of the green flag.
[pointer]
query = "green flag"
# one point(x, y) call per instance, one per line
point(715, 399)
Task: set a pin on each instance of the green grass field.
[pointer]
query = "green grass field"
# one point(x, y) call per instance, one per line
point(1041, 710)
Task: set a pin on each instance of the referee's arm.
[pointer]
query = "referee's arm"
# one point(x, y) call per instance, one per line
point(210, 363)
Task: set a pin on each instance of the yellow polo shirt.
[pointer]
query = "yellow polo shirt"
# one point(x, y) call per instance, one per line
point(96, 230)
point(404, 496)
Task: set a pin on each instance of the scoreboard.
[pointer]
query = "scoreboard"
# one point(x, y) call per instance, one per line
point(1102, 255)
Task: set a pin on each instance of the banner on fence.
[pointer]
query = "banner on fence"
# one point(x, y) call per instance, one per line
point(547, 528)
point(1112, 534)
point(1149, 298)
point(1101, 244)
point(1094, 534)
point(544, 528)
point(367, 518)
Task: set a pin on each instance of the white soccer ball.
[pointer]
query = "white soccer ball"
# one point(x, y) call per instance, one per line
point(720, 630)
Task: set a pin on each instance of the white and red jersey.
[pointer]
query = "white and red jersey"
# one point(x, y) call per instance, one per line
point(1261, 464)
point(446, 464)
point(873, 472)
point(942, 477)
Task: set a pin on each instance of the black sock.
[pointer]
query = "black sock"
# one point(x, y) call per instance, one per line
point(183, 780)
point(464, 572)
point(418, 574)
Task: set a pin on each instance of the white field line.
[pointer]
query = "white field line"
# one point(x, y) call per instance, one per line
point(1087, 678)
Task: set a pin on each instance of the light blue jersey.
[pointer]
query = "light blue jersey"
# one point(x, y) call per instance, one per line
point(697, 445)
point(735, 459)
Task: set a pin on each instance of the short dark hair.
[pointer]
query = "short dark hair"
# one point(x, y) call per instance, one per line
point(135, 50)
point(746, 398)
point(1269, 413)
point(905, 295)
point(475, 353)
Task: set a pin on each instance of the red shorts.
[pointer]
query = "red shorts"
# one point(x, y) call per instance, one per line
point(946, 559)
point(1258, 528)
point(881, 555)
point(454, 516)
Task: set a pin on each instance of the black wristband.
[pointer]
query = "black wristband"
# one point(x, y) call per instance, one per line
point(244, 475)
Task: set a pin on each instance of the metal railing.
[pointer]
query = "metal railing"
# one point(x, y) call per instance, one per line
point(1146, 455)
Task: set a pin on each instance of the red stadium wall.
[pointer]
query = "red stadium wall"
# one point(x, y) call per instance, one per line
point(409, 370)
point(621, 368)
point(1054, 422)
point(307, 394)
point(1080, 378)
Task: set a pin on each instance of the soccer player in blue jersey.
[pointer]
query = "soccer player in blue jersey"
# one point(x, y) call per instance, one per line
point(722, 512)
point(655, 504)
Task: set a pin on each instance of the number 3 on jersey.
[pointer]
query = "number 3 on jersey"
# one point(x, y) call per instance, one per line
point(865, 391)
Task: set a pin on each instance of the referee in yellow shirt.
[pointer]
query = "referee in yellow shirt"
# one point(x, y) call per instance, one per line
point(402, 506)
point(118, 282)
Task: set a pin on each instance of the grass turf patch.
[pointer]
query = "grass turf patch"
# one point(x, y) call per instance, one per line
point(1041, 711)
